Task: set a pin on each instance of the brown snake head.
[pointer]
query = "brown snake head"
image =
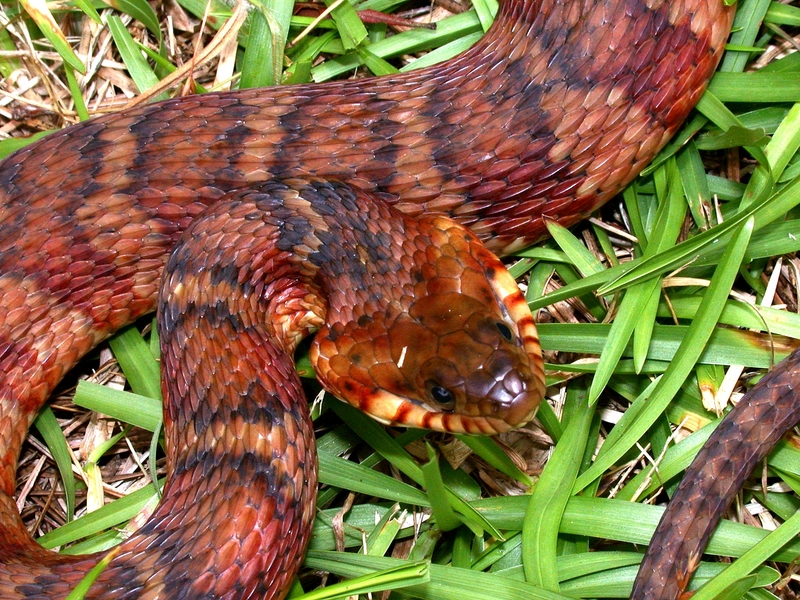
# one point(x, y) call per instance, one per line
point(458, 353)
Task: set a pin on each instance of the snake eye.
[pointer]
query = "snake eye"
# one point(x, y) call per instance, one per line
point(505, 331)
point(442, 396)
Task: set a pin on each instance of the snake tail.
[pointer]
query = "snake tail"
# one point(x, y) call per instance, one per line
point(748, 432)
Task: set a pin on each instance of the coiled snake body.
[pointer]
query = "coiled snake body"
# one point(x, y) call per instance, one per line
point(304, 208)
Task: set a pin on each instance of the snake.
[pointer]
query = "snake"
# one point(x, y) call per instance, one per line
point(369, 211)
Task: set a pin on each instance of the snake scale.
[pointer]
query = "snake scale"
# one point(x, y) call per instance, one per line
point(354, 208)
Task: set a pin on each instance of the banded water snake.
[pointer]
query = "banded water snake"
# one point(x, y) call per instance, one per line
point(553, 112)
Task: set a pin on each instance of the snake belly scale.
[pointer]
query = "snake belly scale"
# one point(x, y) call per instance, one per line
point(553, 112)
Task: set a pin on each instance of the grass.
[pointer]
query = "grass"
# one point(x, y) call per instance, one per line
point(688, 274)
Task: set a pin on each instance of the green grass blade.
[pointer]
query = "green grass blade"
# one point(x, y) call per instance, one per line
point(48, 427)
point(127, 407)
point(626, 432)
point(751, 559)
point(550, 496)
point(139, 69)
point(349, 475)
point(262, 63)
point(137, 362)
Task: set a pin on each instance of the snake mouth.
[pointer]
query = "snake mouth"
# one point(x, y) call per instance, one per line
point(389, 409)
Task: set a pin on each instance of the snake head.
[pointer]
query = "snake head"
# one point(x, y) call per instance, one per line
point(453, 350)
